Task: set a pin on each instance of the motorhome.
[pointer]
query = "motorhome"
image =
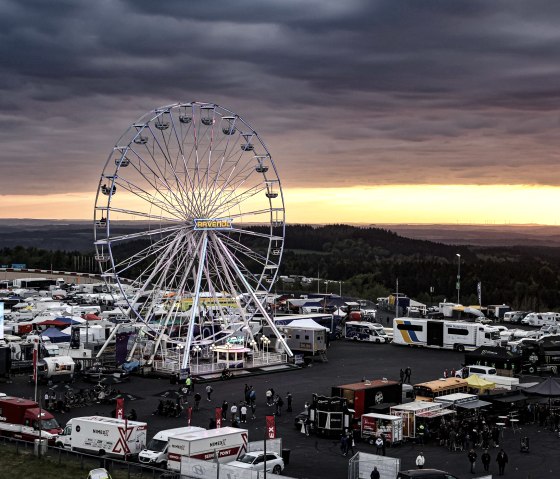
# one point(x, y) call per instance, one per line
point(364, 331)
point(456, 335)
point(514, 316)
point(541, 319)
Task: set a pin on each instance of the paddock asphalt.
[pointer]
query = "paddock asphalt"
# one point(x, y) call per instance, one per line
point(315, 457)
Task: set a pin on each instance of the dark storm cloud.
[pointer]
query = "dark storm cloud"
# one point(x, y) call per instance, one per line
point(373, 92)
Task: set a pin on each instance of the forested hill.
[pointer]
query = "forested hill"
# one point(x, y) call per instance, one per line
point(367, 262)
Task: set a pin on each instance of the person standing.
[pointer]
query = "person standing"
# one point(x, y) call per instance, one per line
point(209, 390)
point(445, 374)
point(243, 412)
point(378, 445)
point(374, 474)
point(224, 410)
point(420, 461)
point(401, 375)
point(344, 444)
point(350, 441)
point(233, 411)
point(472, 459)
point(485, 458)
point(197, 399)
point(502, 460)
point(407, 374)
point(289, 401)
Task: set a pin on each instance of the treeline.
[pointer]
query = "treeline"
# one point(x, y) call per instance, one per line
point(368, 262)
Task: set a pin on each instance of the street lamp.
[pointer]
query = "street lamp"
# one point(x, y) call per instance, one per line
point(458, 278)
point(340, 288)
point(265, 342)
point(196, 350)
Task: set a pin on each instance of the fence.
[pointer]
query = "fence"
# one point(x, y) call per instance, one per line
point(197, 469)
point(361, 465)
point(172, 366)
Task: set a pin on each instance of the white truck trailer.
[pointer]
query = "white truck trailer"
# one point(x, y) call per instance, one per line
point(155, 453)
point(456, 335)
point(104, 436)
point(224, 444)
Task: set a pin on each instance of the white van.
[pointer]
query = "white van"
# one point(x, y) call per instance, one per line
point(155, 453)
point(476, 369)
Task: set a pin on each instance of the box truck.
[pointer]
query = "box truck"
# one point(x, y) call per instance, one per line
point(104, 436)
point(224, 444)
point(155, 453)
point(24, 419)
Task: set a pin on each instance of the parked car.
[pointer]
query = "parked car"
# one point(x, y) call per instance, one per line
point(255, 461)
point(99, 473)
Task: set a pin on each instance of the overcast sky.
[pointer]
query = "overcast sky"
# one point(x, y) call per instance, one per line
point(352, 92)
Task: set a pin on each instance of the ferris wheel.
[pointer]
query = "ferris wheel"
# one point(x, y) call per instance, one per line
point(190, 221)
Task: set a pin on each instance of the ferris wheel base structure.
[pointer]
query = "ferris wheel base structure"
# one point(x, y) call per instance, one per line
point(189, 224)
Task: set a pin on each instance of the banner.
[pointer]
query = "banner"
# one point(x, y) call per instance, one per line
point(270, 427)
point(1, 321)
point(479, 291)
point(119, 412)
point(189, 415)
point(218, 417)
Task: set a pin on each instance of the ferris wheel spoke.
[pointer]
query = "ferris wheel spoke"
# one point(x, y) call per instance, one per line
point(241, 248)
point(157, 180)
point(141, 256)
point(167, 161)
point(231, 201)
point(146, 196)
point(146, 215)
point(143, 234)
point(233, 180)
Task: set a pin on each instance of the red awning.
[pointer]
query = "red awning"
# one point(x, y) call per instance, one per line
point(52, 322)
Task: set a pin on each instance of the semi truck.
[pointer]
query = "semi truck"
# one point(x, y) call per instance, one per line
point(99, 435)
point(456, 335)
point(24, 419)
point(155, 453)
point(224, 444)
point(363, 396)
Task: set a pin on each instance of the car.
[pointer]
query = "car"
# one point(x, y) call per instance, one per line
point(254, 461)
point(475, 369)
point(99, 473)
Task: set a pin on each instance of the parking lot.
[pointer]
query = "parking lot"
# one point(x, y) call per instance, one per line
point(312, 457)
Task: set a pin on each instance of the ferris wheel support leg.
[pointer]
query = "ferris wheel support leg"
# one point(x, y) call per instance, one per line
point(109, 339)
point(260, 307)
point(194, 308)
point(134, 346)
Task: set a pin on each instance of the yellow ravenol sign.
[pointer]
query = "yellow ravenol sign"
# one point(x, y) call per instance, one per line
point(213, 224)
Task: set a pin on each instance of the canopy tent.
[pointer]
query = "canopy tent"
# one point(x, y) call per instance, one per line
point(517, 397)
point(550, 387)
point(476, 382)
point(474, 404)
point(66, 320)
point(55, 335)
point(52, 322)
point(306, 323)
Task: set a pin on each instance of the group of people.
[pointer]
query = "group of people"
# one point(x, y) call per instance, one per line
point(501, 459)
point(404, 375)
